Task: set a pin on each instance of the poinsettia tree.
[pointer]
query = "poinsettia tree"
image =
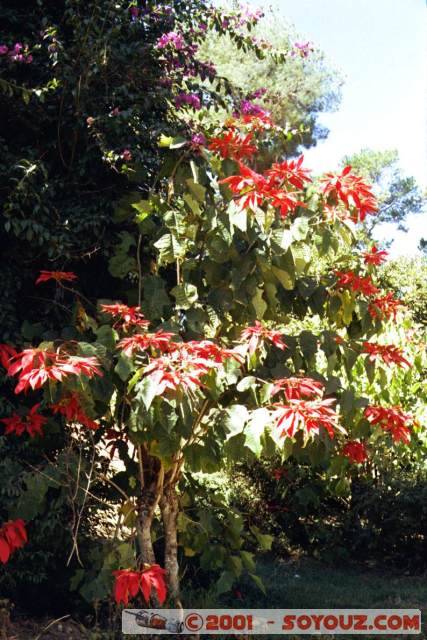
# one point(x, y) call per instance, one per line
point(246, 306)
point(203, 363)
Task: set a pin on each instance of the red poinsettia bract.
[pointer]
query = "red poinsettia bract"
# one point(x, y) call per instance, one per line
point(374, 256)
point(357, 284)
point(289, 173)
point(58, 276)
point(172, 372)
point(32, 423)
point(12, 536)
point(355, 451)
point(256, 335)
point(6, 354)
point(34, 367)
point(71, 409)
point(391, 419)
point(387, 352)
point(207, 350)
point(309, 416)
point(352, 191)
point(125, 316)
point(128, 583)
point(386, 306)
point(296, 388)
point(161, 340)
point(233, 145)
point(274, 187)
point(249, 186)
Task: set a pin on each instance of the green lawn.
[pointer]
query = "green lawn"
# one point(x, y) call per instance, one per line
point(311, 584)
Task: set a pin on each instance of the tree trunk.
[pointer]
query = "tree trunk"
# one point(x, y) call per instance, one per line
point(170, 508)
point(147, 503)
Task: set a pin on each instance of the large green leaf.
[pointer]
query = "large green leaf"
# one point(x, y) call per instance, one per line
point(185, 295)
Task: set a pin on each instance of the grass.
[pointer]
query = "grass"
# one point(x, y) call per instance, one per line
point(310, 584)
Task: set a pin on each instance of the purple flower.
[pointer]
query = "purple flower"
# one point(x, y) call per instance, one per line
point(29, 59)
point(115, 111)
point(190, 99)
point(304, 48)
point(248, 108)
point(134, 12)
point(198, 140)
point(3, 49)
point(18, 47)
point(257, 94)
point(171, 38)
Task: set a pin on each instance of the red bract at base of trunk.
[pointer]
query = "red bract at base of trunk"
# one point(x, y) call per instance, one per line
point(12, 536)
point(129, 583)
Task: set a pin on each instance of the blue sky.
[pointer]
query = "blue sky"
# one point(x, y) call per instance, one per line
point(381, 48)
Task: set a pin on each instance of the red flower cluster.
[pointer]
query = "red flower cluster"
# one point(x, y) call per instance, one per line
point(388, 352)
point(355, 452)
point(257, 334)
point(160, 340)
point(358, 284)
point(233, 145)
point(393, 420)
point(374, 256)
point(58, 276)
point(6, 354)
point(12, 536)
point(296, 388)
point(207, 350)
point(36, 366)
point(352, 191)
point(169, 373)
point(71, 409)
point(289, 172)
point(385, 306)
point(126, 316)
point(129, 582)
point(185, 363)
point(32, 423)
point(306, 415)
point(253, 189)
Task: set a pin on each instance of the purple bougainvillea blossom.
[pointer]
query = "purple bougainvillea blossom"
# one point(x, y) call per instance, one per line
point(188, 99)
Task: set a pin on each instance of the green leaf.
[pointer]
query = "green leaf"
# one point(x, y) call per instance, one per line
point(234, 419)
point(264, 539)
point(235, 565)
point(281, 240)
point(225, 582)
point(192, 203)
point(259, 583)
point(300, 229)
point(255, 428)
point(246, 383)
point(124, 367)
point(286, 279)
point(146, 391)
point(198, 191)
point(302, 255)
point(248, 560)
point(185, 295)
point(144, 209)
point(169, 248)
point(259, 304)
